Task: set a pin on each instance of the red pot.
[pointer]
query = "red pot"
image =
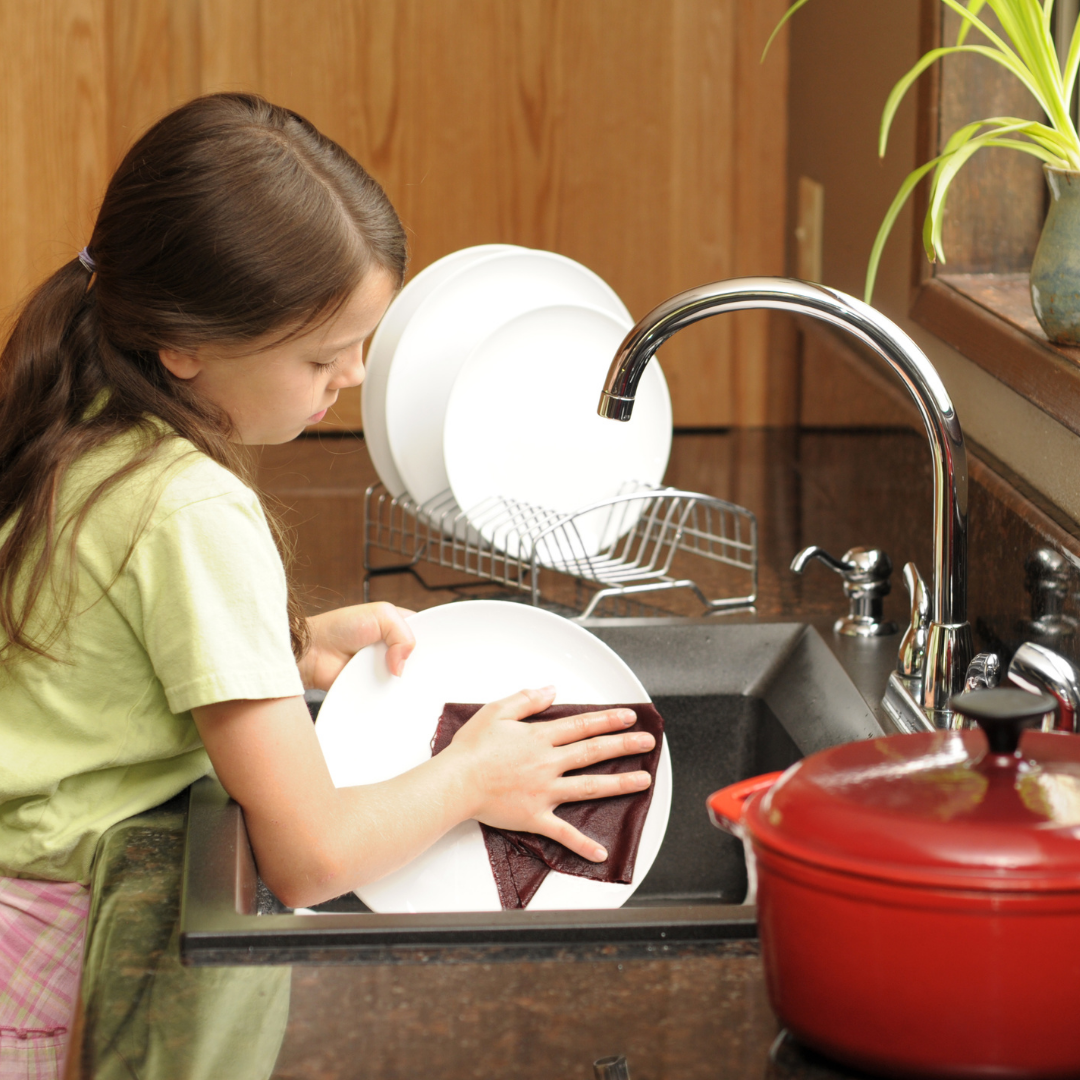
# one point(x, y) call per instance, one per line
point(919, 896)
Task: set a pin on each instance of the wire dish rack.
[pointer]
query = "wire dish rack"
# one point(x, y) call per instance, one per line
point(644, 540)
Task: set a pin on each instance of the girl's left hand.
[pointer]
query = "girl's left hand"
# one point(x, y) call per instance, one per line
point(336, 636)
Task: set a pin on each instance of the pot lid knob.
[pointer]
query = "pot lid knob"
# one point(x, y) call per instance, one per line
point(1002, 713)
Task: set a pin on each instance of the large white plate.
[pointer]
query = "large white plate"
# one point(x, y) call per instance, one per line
point(380, 352)
point(458, 314)
point(521, 424)
point(373, 726)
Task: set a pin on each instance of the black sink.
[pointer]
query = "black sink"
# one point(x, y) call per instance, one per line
point(752, 698)
point(738, 698)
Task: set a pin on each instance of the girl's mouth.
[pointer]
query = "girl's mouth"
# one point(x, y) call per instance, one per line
point(314, 419)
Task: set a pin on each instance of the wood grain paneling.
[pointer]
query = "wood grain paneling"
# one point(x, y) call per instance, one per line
point(641, 137)
point(153, 65)
point(53, 124)
point(843, 387)
point(230, 43)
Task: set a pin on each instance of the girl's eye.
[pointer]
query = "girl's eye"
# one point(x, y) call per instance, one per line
point(330, 365)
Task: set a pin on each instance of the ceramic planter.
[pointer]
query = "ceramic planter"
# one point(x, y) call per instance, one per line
point(1055, 270)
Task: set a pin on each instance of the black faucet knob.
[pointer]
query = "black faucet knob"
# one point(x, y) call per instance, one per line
point(1002, 714)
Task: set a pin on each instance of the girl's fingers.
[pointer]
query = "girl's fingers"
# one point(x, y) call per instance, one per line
point(398, 635)
point(568, 836)
point(523, 703)
point(572, 729)
point(396, 656)
point(600, 786)
point(580, 755)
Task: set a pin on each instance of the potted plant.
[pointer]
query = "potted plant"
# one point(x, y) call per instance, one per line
point(1027, 49)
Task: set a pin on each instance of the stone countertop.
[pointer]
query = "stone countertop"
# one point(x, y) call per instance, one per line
point(683, 1014)
point(678, 1016)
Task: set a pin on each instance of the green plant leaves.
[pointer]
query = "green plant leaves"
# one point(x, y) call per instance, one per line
point(1072, 64)
point(906, 188)
point(780, 25)
point(1027, 51)
point(974, 7)
point(928, 60)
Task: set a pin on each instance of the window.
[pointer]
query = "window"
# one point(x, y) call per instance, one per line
point(979, 301)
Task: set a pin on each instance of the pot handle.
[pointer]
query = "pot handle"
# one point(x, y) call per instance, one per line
point(726, 805)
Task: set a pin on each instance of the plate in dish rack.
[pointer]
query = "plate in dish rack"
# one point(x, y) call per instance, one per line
point(380, 353)
point(522, 426)
point(459, 314)
point(374, 726)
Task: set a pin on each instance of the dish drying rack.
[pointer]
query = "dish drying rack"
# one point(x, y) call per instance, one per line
point(623, 546)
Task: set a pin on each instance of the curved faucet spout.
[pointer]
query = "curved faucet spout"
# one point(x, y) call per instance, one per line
point(949, 645)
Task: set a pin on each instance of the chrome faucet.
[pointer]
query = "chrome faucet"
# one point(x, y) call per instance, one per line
point(934, 657)
point(1039, 670)
point(1036, 668)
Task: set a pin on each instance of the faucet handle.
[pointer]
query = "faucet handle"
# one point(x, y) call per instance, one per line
point(866, 582)
point(1036, 668)
point(983, 673)
point(1048, 577)
point(913, 646)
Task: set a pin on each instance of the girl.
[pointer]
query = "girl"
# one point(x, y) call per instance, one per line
point(147, 632)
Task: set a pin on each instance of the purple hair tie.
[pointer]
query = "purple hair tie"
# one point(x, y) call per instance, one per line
point(84, 258)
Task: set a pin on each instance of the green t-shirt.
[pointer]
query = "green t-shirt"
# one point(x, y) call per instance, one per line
point(197, 615)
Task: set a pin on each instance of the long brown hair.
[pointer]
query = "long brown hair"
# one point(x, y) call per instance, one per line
point(229, 220)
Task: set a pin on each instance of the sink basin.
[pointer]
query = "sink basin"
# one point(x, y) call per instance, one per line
point(738, 698)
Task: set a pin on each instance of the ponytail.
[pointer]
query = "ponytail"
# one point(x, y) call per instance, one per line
point(43, 386)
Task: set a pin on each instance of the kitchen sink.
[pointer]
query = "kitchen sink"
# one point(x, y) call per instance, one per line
point(738, 698)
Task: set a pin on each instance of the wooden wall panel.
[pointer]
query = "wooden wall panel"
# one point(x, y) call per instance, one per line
point(641, 137)
point(759, 234)
point(650, 148)
point(703, 205)
point(153, 65)
point(53, 137)
point(230, 43)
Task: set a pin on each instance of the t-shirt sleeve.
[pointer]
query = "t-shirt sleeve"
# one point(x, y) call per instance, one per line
point(210, 603)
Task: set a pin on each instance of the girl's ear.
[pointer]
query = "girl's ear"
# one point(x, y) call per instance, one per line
point(182, 365)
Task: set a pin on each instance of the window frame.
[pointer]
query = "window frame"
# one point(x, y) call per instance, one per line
point(986, 316)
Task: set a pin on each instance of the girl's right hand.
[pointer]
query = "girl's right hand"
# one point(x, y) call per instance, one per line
point(514, 771)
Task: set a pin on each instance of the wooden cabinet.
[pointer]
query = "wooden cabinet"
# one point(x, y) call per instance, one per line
point(641, 137)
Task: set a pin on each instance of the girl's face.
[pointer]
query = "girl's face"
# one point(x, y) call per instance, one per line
point(272, 394)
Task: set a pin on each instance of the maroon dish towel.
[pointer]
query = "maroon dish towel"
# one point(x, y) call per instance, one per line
point(520, 860)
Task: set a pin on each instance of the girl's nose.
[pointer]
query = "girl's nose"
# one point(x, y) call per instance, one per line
point(351, 371)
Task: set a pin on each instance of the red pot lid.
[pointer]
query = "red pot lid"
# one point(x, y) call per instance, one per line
point(938, 809)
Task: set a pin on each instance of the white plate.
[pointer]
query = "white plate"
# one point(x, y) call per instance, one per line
point(373, 726)
point(521, 423)
point(458, 314)
point(380, 352)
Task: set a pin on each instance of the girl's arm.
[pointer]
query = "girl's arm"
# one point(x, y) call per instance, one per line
point(313, 841)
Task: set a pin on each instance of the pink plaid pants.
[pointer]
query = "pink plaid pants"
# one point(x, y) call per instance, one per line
point(42, 926)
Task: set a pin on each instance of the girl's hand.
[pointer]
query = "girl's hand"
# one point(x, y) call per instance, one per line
point(514, 771)
point(336, 636)
point(313, 841)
